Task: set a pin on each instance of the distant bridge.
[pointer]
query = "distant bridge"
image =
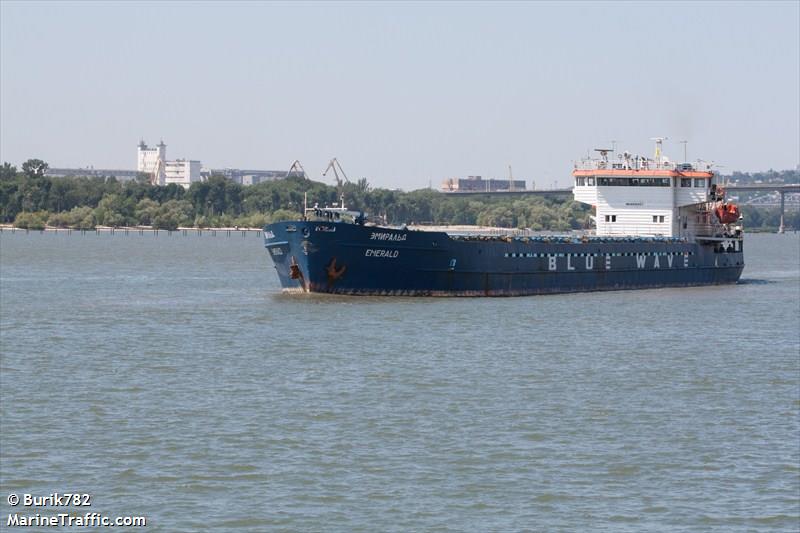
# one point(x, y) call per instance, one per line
point(524, 192)
point(787, 205)
point(783, 189)
point(793, 187)
point(766, 187)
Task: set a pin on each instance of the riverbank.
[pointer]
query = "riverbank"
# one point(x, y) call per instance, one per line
point(143, 230)
point(135, 230)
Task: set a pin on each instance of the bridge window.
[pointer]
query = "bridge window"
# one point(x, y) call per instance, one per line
point(661, 218)
point(590, 182)
point(686, 182)
point(635, 182)
point(655, 218)
point(580, 182)
point(699, 182)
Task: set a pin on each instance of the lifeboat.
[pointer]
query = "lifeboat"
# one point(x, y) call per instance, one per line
point(727, 213)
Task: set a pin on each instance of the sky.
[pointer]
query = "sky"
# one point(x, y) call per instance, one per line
point(405, 94)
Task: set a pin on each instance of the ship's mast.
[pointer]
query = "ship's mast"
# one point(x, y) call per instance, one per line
point(659, 145)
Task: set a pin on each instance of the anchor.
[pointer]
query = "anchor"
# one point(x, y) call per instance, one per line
point(334, 273)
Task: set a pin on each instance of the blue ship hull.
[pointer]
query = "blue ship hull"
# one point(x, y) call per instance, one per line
point(342, 258)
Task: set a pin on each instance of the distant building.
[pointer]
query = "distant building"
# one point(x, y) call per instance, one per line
point(148, 157)
point(181, 172)
point(153, 161)
point(478, 184)
point(121, 175)
point(248, 177)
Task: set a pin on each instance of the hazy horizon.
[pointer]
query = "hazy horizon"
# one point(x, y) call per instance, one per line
point(405, 94)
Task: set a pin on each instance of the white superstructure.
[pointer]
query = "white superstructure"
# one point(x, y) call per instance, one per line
point(636, 195)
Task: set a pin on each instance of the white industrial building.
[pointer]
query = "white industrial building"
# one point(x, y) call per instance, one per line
point(148, 157)
point(153, 161)
point(181, 172)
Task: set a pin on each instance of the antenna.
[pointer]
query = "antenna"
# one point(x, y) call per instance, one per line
point(613, 145)
point(684, 143)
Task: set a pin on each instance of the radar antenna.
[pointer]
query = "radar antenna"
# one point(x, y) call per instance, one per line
point(604, 152)
point(603, 156)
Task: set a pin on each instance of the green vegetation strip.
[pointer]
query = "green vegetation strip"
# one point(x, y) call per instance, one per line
point(30, 199)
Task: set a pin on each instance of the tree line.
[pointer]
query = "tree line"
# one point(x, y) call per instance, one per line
point(31, 199)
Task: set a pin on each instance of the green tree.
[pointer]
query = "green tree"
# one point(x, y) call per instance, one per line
point(10, 203)
point(281, 215)
point(33, 193)
point(83, 218)
point(142, 178)
point(173, 214)
point(110, 211)
point(35, 168)
point(145, 211)
point(8, 172)
point(31, 220)
point(78, 217)
point(363, 185)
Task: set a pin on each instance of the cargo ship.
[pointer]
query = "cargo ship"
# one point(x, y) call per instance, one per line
point(658, 224)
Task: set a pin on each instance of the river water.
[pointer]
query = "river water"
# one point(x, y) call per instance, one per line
point(169, 378)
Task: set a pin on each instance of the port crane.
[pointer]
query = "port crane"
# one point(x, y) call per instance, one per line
point(158, 170)
point(296, 167)
point(334, 165)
